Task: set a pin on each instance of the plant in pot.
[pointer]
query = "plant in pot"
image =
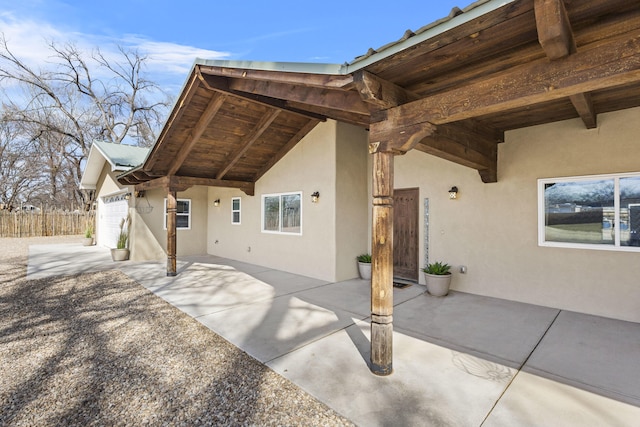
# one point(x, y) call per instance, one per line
point(364, 266)
point(121, 252)
point(438, 278)
point(88, 235)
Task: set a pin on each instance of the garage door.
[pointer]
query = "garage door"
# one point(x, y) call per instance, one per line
point(112, 210)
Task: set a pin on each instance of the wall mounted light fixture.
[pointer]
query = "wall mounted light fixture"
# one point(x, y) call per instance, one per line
point(315, 196)
point(216, 202)
point(127, 196)
point(139, 193)
point(453, 192)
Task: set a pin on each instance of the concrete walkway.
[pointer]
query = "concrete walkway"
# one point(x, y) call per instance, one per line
point(461, 360)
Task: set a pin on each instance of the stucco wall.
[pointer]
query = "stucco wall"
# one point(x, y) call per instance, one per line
point(309, 167)
point(151, 236)
point(492, 228)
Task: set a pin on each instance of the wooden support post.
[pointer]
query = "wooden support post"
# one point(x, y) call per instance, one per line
point(172, 208)
point(382, 265)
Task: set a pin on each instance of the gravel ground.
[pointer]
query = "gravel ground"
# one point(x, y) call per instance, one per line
point(98, 349)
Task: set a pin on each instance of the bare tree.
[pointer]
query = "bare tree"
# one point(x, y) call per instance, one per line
point(80, 97)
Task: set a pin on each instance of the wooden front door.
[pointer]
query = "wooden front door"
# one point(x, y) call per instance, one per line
point(405, 233)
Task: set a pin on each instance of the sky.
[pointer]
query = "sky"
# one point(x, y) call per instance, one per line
point(173, 33)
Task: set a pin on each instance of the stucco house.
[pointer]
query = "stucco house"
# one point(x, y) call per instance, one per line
point(529, 108)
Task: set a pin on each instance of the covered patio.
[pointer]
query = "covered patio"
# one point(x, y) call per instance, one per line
point(460, 360)
point(450, 89)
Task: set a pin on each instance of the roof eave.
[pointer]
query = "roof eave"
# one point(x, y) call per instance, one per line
point(471, 12)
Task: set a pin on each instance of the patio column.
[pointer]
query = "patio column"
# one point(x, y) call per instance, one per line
point(172, 208)
point(382, 265)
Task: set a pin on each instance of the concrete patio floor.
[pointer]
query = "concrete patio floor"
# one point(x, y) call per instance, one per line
point(461, 360)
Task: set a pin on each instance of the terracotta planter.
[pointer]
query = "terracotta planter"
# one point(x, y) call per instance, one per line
point(364, 269)
point(438, 284)
point(87, 241)
point(120, 254)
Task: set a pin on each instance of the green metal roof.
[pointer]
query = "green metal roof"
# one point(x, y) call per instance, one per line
point(120, 155)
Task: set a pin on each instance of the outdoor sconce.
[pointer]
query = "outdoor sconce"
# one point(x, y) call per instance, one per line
point(453, 193)
point(139, 194)
point(216, 202)
point(127, 196)
point(315, 196)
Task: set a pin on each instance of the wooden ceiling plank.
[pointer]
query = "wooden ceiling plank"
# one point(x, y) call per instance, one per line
point(286, 148)
point(248, 141)
point(607, 64)
point(554, 29)
point(584, 106)
point(208, 114)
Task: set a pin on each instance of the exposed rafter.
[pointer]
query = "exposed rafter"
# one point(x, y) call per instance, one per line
point(182, 183)
point(556, 38)
point(209, 113)
point(301, 79)
point(255, 133)
point(605, 65)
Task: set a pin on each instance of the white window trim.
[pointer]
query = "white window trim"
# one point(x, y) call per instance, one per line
point(239, 210)
point(188, 215)
point(286, 233)
point(616, 198)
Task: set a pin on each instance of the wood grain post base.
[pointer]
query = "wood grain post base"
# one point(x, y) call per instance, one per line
point(382, 345)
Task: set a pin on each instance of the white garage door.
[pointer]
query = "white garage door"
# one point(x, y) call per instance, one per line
point(113, 210)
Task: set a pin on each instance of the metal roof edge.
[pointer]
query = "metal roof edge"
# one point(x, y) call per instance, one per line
point(290, 67)
point(456, 18)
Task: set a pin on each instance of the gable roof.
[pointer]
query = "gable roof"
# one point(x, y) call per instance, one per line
point(455, 86)
point(121, 157)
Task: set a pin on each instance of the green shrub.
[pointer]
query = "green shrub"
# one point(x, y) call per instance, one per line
point(438, 268)
point(364, 258)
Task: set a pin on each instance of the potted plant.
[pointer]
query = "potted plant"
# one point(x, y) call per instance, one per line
point(438, 278)
point(88, 235)
point(364, 266)
point(121, 252)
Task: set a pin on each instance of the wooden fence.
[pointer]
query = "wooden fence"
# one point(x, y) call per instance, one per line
point(43, 222)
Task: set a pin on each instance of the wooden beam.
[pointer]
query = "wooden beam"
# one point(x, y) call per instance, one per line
point(286, 148)
point(221, 84)
point(379, 92)
point(600, 66)
point(162, 182)
point(382, 265)
point(303, 79)
point(188, 181)
point(556, 38)
point(181, 183)
point(387, 136)
point(468, 144)
point(341, 100)
point(207, 115)
point(248, 141)
point(584, 106)
point(554, 29)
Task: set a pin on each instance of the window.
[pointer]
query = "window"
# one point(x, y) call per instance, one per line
point(235, 210)
point(183, 214)
point(282, 213)
point(594, 212)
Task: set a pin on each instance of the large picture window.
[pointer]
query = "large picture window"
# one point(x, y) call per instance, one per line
point(593, 212)
point(282, 213)
point(183, 214)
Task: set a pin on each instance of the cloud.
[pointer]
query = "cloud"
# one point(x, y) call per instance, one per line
point(167, 63)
